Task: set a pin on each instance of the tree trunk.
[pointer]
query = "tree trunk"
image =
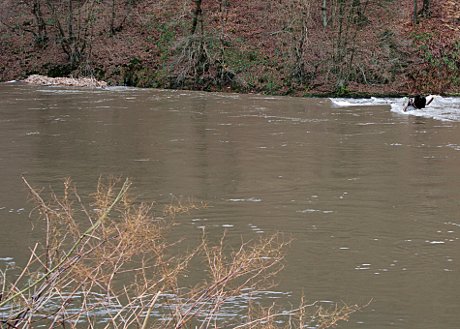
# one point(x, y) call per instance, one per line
point(42, 36)
point(426, 9)
point(221, 66)
point(112, 19)
point(324, 13)
point(415, 12)
point(358, 12)
point(197, 16)
point(124, 11)
point(70, 20)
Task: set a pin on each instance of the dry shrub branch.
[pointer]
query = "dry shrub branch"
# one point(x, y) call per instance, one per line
point(111, 264)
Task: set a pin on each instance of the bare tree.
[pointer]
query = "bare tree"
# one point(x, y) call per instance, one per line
point(41, 35)
point(117, 22)
point(21, 21)
point(73, 22)
point(302, 8)
point(203, 51)
point(350, 14)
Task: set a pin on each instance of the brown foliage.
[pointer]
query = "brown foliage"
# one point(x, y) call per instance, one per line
point(270, 46)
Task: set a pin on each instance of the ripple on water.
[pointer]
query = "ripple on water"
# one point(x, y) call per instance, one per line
point(255, 229)
point(251, 199)
point(364, 266)
point(6, 261)
point(310, 210)
point(456, 147)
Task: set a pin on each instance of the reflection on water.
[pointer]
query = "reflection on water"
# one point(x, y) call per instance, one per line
point(369, 195)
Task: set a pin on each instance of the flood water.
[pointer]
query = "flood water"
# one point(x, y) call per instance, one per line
point(369, 195)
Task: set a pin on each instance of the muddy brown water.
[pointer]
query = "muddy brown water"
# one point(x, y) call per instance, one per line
point(370, 197)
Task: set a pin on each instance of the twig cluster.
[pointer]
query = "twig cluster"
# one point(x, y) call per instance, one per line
point(110, 265)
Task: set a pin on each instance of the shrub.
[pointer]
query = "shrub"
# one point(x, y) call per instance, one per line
point(110, 264)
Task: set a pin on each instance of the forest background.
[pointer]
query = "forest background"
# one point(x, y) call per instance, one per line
point(283, 47)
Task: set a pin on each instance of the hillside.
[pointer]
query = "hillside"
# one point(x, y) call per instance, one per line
point(293, 47)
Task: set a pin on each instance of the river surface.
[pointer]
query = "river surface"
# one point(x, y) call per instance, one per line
point(370, 195)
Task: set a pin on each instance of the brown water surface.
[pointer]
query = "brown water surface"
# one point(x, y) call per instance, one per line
point(370, 197)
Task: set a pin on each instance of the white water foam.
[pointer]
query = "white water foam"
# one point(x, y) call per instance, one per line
point(347, 102)
point(442, 108)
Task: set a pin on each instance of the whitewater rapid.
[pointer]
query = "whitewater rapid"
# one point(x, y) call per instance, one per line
point(442, 108)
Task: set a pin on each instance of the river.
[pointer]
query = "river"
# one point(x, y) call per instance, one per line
point(369, 194)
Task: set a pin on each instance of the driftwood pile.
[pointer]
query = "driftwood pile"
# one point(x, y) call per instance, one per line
point(75, 82)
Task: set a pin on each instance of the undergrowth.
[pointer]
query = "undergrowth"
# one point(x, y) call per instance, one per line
point(109, 263)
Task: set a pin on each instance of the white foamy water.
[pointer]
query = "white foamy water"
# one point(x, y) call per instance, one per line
point(442, 108)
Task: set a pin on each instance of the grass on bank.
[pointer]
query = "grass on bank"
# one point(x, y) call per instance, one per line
point(110, 264)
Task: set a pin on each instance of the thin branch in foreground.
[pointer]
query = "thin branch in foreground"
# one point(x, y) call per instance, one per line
point(115, 266)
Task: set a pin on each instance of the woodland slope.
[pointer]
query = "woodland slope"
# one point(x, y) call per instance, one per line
point(290, 47)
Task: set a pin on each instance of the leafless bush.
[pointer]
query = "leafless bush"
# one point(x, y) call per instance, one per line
point(111, 265)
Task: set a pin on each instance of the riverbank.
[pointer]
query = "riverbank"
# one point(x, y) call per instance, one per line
point(37, 79)
point(291, 48)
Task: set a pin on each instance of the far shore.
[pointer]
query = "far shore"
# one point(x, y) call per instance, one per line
point(37, 79)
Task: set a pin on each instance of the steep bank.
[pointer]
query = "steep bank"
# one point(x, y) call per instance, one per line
point(278, 47)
